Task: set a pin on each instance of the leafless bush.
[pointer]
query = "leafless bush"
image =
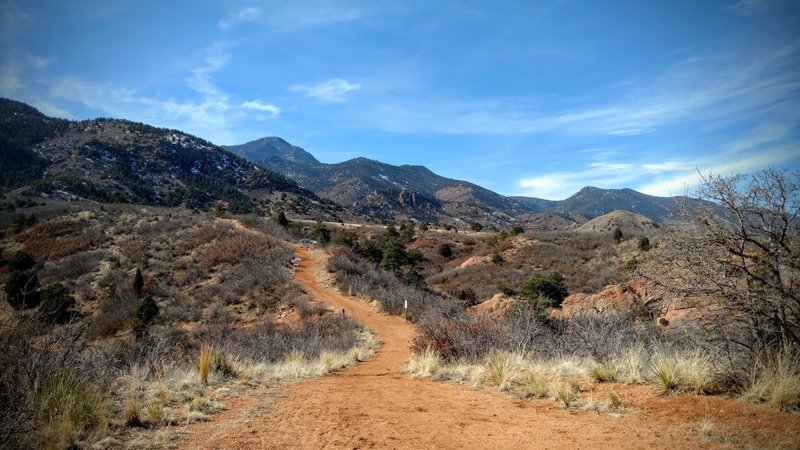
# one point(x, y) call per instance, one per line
point(466, 335)
point(265, 225)
point(271, 342)
point(73, 266)
point(365, 279)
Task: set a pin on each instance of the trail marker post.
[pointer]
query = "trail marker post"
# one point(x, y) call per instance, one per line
point(405, 309)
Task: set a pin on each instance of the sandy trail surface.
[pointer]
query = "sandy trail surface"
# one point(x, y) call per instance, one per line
point(373, 405)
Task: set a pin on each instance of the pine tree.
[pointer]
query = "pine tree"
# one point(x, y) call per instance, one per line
point(138, 283)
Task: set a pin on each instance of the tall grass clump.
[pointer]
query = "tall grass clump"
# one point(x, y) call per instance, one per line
point(665, 373)
point(566, 393)
point(501, 368)
point(776, 380)
point(424, 363)
point(697, 371)
point(535, 384)
point(632, 364)
point(603, 372)
point(72, 408)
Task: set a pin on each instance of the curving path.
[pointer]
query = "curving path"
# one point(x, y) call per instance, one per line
point(372, 405)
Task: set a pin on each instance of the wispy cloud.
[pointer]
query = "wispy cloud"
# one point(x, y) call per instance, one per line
point(335, 90)
point(10, 82)
point(244, 15)
point(560, 185)
point(719, 90)
point(749, 7)
point(213, 115)
point(259, 105)
point(13, 19)
point(295, 16)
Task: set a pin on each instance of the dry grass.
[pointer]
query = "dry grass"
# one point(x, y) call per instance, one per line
point(204, 363)
point(536, 384)
point(566, 393)
point(776, 381)
point(665, 373)
point(611, 405)
point(603, 372)
point(632, 364)
point(424, 364)
point(501, 368)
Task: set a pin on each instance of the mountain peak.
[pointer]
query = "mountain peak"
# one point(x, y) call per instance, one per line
point(271, 147)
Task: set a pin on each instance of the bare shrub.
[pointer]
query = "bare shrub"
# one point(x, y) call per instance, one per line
point(463, 336)
point(362, 278)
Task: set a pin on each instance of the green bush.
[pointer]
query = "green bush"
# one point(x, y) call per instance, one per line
point(551, 287)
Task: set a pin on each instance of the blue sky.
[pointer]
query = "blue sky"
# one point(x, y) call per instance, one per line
point(536, 98)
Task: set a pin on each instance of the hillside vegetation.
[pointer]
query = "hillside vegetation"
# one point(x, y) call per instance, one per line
point(119, 304)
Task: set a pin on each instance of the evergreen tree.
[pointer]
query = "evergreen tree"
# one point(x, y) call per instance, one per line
point(617, 235)
point(281, 219)
point(146, 313)
point(138, 283)
point(551, 289)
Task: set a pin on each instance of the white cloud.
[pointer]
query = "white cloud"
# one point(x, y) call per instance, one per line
point(335, 90)
point(50, 109)
point(10, 82)
point(612, 166)
point(208, 116)
point(560, 185)
point(241, 16)
point(259, 105)
point(671, 165)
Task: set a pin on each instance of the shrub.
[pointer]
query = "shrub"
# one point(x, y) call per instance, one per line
point(56, 305)
point(146, 313)
point(465, 335)
point(20, 262)
point(551, 287)
point(22, 289)
point(320, 233)
point(643, 243)
point(617, 235)
point(445, 250)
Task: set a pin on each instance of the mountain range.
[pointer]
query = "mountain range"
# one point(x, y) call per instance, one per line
point(386, 191)
point(113, 160)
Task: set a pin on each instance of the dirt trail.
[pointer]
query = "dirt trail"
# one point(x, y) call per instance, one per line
point(372, 405)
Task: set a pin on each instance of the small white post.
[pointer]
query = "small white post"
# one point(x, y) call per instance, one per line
point(405, 309)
